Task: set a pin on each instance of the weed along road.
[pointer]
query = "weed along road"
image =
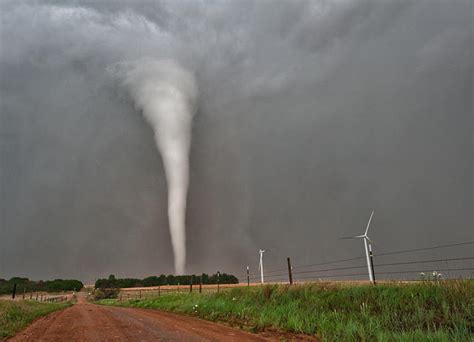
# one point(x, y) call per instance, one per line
point(88, 322)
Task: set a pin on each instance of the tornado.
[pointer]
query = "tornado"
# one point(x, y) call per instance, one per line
point(166, 94)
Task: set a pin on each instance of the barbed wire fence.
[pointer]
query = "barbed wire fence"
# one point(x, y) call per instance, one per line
point(347, 269)
point(450, 266)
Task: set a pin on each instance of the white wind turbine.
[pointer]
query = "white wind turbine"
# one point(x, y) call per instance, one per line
point(368, 248)
point(260, 265)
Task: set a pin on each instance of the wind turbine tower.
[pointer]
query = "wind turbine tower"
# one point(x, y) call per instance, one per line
point(368, 249)
point(260, 265)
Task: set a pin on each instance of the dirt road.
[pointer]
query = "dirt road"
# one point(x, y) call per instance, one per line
point(88, 322)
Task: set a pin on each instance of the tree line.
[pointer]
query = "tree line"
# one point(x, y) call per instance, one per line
point(27, 285)
point(113, 282)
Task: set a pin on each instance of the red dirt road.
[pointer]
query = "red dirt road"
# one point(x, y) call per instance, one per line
point(88, 322)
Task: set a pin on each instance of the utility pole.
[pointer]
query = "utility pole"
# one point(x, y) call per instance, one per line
point(290, 275)
point(248, 276)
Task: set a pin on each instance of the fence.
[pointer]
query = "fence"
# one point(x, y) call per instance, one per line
point(38, 296)
point(355, 269)
point(157, 291)
point(347, 269)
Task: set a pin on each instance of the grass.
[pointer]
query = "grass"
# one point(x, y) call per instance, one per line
point(15, 316)
point(427, 311)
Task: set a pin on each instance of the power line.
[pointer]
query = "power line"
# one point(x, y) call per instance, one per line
point(283, 270)
point(276, 271)
point(330, 269)
point(388, 253)
point(244, 275)
point(392, 272)
point(388, 264)
point(269, 277)
point(379, 265)
point(328, 262)
point(426, 248)
point(424, 261)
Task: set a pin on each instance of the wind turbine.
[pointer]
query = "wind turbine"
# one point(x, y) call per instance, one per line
point(368, 249)
point(260, 265)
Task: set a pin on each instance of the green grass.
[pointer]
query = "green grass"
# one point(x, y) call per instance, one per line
point(421, 311)
point(14, 316)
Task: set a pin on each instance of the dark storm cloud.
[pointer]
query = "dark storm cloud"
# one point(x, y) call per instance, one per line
point(311, 113)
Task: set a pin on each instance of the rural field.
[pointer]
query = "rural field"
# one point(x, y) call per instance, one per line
point(437, 311)
point(323, 311)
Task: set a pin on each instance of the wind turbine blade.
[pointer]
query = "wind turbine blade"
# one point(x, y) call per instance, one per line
point(368, 223)
point(346, 237)
point(360, 236)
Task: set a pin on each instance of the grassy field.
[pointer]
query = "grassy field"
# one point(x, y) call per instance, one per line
point(14, 316)
point(426, 311)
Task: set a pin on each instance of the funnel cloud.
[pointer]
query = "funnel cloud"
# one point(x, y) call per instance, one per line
point(166, 93)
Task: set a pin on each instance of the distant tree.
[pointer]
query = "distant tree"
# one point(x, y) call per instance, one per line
point(24, 284)
point(113, 282)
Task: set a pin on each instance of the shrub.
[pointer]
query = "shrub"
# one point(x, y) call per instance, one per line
point(106, 293)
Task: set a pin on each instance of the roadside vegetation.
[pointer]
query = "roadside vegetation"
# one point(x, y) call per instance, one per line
point(428, 311)
point(16, 315)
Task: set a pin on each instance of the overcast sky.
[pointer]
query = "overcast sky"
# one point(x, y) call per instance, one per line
point(310, 115)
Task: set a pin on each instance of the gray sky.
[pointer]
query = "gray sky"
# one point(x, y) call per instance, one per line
point(310, 115)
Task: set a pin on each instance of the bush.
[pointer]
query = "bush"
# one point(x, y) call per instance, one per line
point(106, 293)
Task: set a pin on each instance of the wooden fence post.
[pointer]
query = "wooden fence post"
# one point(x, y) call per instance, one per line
point(290, 275)
point(248, 276)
